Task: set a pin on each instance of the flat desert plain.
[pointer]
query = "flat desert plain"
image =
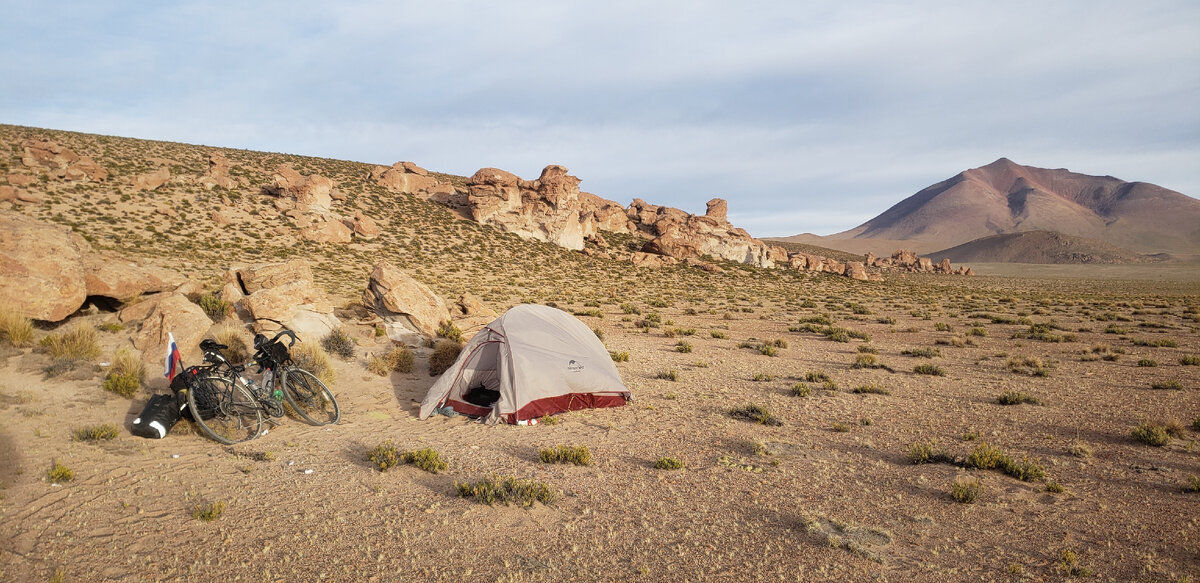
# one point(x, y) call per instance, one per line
point(864, 382)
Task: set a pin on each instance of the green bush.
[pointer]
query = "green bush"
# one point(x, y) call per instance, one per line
point(668, 463)
point(1167, 385)
point(1017, 398)
point(427, 459)
point(449, 331)
point(987, 457)
point(566, 454)
point(618, 356)
point(669, 375)
point(800, 390)
point(1190, 360)
point(927, 452)
point(209, 511)
point(1154, 434)
point(683, 346)
point(506, 490)
point(214, 307)
point(385, 456)
point(59, 473)
point(871, 389)
point(929, 369)
point(966, 490)
point(103, 432)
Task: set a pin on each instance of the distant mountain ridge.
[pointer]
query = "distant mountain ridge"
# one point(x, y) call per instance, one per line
point(1042, 247)
point(1006, 197)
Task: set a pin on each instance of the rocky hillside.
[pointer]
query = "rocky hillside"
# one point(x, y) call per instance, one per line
point(1005, 197)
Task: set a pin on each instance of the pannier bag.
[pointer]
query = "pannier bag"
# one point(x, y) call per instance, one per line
point(189, 379)
point(159, 416)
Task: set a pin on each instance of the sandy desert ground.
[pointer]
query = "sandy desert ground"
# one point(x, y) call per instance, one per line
point(830, 494)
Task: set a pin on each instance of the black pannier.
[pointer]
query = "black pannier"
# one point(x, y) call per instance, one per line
point(157, 419)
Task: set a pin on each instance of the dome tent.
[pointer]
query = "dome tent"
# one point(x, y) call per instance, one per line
point(539, 359)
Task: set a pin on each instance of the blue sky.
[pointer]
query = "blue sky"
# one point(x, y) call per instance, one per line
point(806, 116)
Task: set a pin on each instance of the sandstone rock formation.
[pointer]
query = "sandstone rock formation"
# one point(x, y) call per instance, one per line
point(169, 313)
point(280, 295)
point(121, 279)
point(151, 180)
point(58, 161)
point(364, 227)
point(409, 308)
point(41, 268)
point(406, 178)
point(683, 236)
point(471, 315)
point(547, 209)
point(908, 261)
point(217, 173)
point(307, 193)
point(327, 229)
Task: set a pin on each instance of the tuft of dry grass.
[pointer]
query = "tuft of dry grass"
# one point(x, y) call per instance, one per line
point(208, 511)
point(566, 454)
point(78, 342)
point(126, 375)
point(508, 490)
point(398, 359)
point(314, 359)
point(966, 490)
point(233, 336)
point(103, 432)
point(15, 328)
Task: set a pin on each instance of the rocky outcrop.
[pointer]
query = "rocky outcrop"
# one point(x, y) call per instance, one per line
point(273, 296)
point(217, 173)
point(409, 308)
point(683, 236)
point(547, 209)
point(364, 227)
point(58, 161)
point(909, 262)
point(124, 280)
point(407, 178)
point(471, 315)
point(41, 268)
point(304, 193)
point(151, 180)
point(327, 229)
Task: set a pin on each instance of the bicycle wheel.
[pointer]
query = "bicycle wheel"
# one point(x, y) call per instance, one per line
point(309, 397)
point(225, 412)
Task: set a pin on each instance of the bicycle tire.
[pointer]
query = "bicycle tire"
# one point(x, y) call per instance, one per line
point(230, 413)
point(309, 397)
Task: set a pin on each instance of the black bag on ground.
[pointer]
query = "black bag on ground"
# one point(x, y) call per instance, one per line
point(189, 379)
point(482, 396)
point(159, 416)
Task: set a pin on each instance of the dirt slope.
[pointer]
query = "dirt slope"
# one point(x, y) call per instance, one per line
point(1041, 247)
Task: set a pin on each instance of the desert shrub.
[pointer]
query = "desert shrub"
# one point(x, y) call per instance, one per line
point(385, 456)
point(208, 511)
point(762, 377)
point(599, 332)
point(1196, 424)
point(103, 432)
point(1147, 363)
point(768, 350)
point(59, 473)
point(339, 344)
point(1157, 343)
point(927, 452)
point(800, 390)
point(447, 329)
point(214, 307)
point(1115, 329)
point(15, 328)
point(508, 490)
point(668, 463)
point(922, 352)
point(929, 369)
point(977, 331)
point(398, 359)
point(630, 309)
point(687, 332)
point(427, 459)
point(126, 375)
point(867, 349)
point(865, 361)
point(445, 352)
point(840, 427)
point(1081, 449)
point(233, 337)
point(670, 333)
point(78, 342)
point(593, 313)
point(966, 490)
point(1068, 563)
point(1024, 469)
point(668, 374)
point(1167, 385)
point(1151, 433)
point(755, 413)
point(718, 334)
point(987, 457)
point(1017, 398)
point(816, 377)
point(683, 346)
point(566, 454)
point(618, 356)
point(1193, 484)
point(942, 327)
point(314, 359)
point(872, 389)
point(1191, 360)
point(1055, 488)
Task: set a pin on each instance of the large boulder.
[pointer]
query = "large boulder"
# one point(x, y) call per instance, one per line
point(547, 209)
point(684, 236)
point(410, 308)
point(60, 161)
point(327, 229)
point(41, 268)
point(406, 178)
point(174, 314)
point(121, 279)
point(151, 180)
point(310, 193)
point(216, 173)
point(273, 296)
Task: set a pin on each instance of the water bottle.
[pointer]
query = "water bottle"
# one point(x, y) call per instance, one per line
point(250, 384)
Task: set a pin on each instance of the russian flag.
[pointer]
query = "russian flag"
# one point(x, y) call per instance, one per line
point(174, 362)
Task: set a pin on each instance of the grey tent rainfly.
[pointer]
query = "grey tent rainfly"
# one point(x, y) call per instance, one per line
point(531, 361)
